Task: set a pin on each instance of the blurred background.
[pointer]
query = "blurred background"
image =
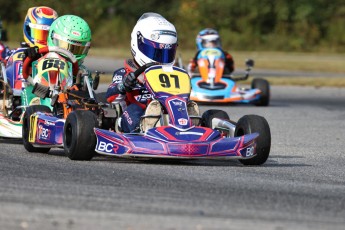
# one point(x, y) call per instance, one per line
point(280, 25)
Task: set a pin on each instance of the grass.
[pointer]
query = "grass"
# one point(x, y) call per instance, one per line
point(291, 61)
point(310, 62)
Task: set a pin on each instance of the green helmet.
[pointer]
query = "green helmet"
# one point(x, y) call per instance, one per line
point(72, 33)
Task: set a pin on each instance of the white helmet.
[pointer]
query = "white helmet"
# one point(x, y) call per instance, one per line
point(153, 39)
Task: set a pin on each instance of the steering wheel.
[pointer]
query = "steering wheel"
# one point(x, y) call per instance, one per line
point(137, 73)
point(28, 61)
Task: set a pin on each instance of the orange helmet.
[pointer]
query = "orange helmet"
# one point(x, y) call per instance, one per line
point(36, 25)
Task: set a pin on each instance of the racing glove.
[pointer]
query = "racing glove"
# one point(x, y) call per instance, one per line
point(129, 82)
point(32, 52)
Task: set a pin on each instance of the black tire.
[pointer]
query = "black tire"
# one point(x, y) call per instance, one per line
point(26, 127)
point(264, 86)
point(207, 116)
point(251, 124)
point(79, 138)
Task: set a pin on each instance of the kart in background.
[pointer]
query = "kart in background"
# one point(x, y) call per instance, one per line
point(20, 91)
point(51, 89)
point(212, 85)
point(11, 84)
point(53, 94)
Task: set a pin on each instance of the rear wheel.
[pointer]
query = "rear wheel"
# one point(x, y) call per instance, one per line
point(26, 127)
point(255, 124)
point(79, 138)
point(207, 116)
point(264, 87)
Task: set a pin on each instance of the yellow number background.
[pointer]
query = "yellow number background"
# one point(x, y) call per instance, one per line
point(152, 76)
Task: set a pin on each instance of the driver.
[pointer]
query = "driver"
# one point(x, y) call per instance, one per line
point(35, 30)
point(72, 33)
point(153, 39)
point(209, 38)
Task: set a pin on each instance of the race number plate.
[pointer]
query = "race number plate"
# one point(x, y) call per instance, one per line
point(175, 82)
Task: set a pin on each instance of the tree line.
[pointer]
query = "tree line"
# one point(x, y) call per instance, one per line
point(279, 25)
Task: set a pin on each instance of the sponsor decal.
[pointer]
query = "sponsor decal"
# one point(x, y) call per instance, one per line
point(49, 123)
point(177, 103)
point(165, 46)
point(105, 147)
point(117, 78)
point(182, 121)
point(166, 32)
point(154, 36)
point(43, 133)
point(76, 33)
point(143, 97)
point(128, 118)
point(250, 151)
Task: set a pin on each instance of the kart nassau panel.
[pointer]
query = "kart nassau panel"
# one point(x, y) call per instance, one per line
point(9, 128)
point(168, 142)
point(224, 91)
point(45, 129)
point(173, 80)
point(50, 67)
point(171, 87)
point(46, 71)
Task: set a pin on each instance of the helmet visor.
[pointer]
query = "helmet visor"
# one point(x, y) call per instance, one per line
point(159, 52)
point(211, 43)
point(78, 48)
point(39, 33)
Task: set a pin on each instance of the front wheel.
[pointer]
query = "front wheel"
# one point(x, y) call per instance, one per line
point(79, 138)
point(264, 86)
point(26, 127)
point(255, 124)
point(207, 117)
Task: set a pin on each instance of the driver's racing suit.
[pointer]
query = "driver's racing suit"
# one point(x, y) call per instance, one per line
point(135, 101)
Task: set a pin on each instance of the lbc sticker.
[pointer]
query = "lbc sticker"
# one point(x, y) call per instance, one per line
point(107, 147)
point(250, 151)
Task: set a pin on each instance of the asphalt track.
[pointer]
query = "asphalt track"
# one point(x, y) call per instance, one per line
point(301, 186)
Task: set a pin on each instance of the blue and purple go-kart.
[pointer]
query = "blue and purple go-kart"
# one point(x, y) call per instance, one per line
point(170, 128)
point(212, 85)
point(11, 85)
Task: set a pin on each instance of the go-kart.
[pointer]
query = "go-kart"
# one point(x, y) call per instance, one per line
point(51, 89)
point(53, 94)
point(170, 127)
point(20, 91)
point(10, 96)
point(213, 85)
